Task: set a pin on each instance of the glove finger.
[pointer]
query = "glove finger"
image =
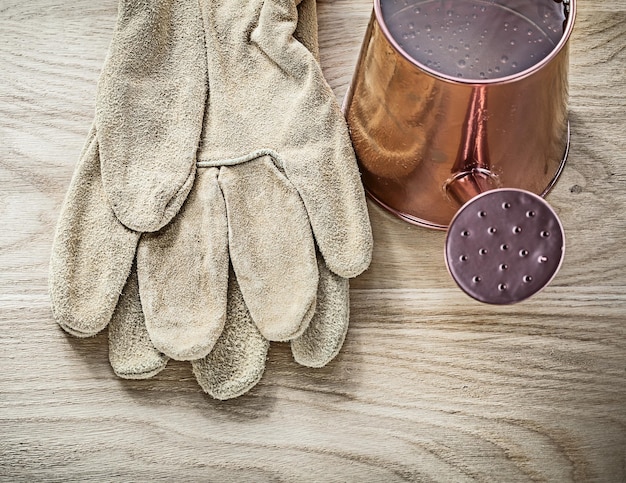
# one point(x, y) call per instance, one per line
point(131, 353)
point(324, 336)
point(183, 274)
point(271, 247)
point(320, 160)
point(149, 110)
point(92, 252)
point(306, 29)
point(329, 184)
point(237, 360)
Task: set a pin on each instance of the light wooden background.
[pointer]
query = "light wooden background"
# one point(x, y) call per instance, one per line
point(430, 386)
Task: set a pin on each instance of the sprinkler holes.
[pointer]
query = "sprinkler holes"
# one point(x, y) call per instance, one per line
point(505, 248)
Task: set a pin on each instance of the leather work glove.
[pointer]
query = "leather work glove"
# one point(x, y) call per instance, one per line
point(237, 360)
point(271, 176)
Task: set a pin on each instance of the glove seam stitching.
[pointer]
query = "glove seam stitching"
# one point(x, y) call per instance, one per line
point(216, 163)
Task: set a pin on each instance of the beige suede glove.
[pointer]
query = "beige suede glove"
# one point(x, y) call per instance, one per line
point(247, 198)
point(237, 361)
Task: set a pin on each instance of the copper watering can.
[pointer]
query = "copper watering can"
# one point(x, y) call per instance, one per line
point(458, 111)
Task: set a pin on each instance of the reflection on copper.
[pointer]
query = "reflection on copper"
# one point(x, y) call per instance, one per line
point(474, 149)
point(427, 142)
point(471, 172)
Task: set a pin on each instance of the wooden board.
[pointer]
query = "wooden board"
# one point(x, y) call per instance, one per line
point(430, 386)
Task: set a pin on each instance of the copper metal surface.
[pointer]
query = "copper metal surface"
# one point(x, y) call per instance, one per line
point(471, 172)
point(504, 246)
point(426, 142)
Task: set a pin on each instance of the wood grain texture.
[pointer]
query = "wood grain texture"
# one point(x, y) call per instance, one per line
point(430, 386)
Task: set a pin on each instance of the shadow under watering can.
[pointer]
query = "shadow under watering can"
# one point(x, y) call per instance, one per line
point(458, 126)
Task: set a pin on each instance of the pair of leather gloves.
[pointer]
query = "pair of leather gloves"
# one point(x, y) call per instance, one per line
point(217, 204)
